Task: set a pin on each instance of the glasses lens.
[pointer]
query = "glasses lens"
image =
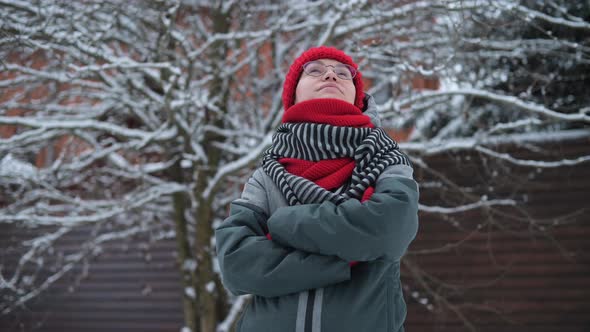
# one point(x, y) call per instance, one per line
point(314, 68)
point(345, 72)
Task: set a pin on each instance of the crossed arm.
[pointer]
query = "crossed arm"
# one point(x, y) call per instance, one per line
point(313, 243)
point(381, 227)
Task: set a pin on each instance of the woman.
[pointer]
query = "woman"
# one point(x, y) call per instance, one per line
point(319, 231)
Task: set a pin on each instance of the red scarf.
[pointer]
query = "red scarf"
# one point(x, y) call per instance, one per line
point(331, 173)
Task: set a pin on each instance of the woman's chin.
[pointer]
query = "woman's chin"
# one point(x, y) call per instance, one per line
point(333, 96)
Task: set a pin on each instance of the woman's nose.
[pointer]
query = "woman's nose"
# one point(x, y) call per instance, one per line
point(330, 74)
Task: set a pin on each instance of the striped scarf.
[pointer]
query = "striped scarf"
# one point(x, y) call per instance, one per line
point(332, 138)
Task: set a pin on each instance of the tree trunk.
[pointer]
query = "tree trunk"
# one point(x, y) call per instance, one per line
point(205, 275)
point(185, 257)
point(206, 278)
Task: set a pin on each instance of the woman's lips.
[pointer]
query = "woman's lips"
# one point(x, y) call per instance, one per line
point(326, 86)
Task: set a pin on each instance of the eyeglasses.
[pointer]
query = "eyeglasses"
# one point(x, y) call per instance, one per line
point(316, 69)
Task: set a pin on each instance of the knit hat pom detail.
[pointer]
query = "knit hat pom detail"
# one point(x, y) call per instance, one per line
point(315, 53)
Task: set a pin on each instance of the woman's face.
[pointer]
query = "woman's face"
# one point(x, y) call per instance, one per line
point(327, 85)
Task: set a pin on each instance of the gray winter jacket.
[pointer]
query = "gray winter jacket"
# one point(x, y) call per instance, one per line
point(301, 280)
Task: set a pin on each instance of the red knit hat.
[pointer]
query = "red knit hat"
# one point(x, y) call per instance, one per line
point(316, 53)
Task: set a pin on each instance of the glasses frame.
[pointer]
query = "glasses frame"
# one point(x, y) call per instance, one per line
point(350, 68)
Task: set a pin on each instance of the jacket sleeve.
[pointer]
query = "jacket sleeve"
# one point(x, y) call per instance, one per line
point(382, 226)
point(252, 264)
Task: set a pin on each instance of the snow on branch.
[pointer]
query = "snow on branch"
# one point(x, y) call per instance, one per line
point(519, 45)
point(91, 247)
point(73, 260)
point(131, 201)
point(533, 163)
point(139, 169)
point(38, 245)
point(212, 38)
point(403, 11)
point(22, 5)
point(29, 137)
point(462, 208)
point(238, 164)
point(329, 30)
point(127, 64)
point(513, 125)
point(12, 167)
point(48, 124)
point(39, 74)
point(458, 144)
point(531, 14)
point(509, 100)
